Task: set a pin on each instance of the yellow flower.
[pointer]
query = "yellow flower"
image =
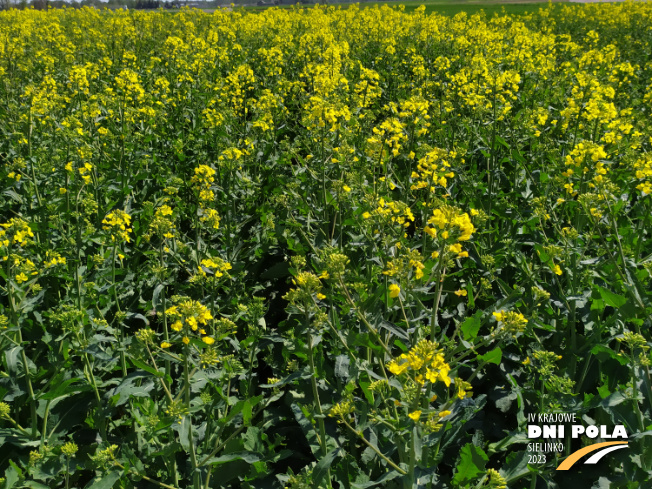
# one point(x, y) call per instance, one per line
point(321, 296)
point(346, 188)
point(460, 293)
point(557, 269)
point(443, 414)
point(62, 190)
point(165, 344)
point(394, 291)
point(366, 215)
point(415, 415)
point(185, 340)
point(208, 340)
point(192, 322)
point(397, 369)
point(21, 277)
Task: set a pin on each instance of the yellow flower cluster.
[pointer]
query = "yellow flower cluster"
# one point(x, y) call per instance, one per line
point(391, 133)
point(117, 223)
point(342, 409)
point(583, 164)
point(15, 231)
point(86, 172)
point(395, 212)
point(449, 225)
point(203, 180)
point(215, 266)
point(402, 266)
point(425, 361)
point(162, 224)
point(512, 322)
point(308, 286)
point(52, 259)
point(433, 169)
point(210, 217)
point(189, 315)
point(643, 171)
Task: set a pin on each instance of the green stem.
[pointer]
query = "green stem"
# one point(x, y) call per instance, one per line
point(441, 273)
point(186, 394)
point(362, 318)
point(123, 361)
point(30, 389)
point(378, 452)
point(67, 471)
point(148, 479)
point(318, 408)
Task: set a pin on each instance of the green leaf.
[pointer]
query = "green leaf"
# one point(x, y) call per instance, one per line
point(603, 353)
point(157, 291)
point(106, 481)
point(469, 294)
point(246, 413)
point(35, 485)
point(494, 356)
point(252, 440)
point(136, 384)
point(613, 300)
point(471, 326)
point(388, 476)
point(11, 475)
point(515, 467)
point(321, 470)
point(248, 457)
point(65, 389)
point(472, 463)
point(146, 367)
point(307, 428)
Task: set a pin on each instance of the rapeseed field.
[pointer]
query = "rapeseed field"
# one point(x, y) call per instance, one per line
point(325, 247)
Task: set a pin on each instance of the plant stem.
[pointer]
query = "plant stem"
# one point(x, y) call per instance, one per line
point(378, 452)
point(315, 394)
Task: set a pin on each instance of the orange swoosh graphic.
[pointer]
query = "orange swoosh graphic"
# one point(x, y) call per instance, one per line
point(575, 456)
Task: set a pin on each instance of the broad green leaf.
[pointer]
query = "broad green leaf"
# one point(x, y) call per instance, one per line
point(613, 300)
point(471, 326)
point(65, 389)
point(146, 367)
point(388, 476)
point(106, 481)
point(472, 463)
point(494, 356)
point(247, 413)
point(11, 475)
point(321, 470)
point(603, 353)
